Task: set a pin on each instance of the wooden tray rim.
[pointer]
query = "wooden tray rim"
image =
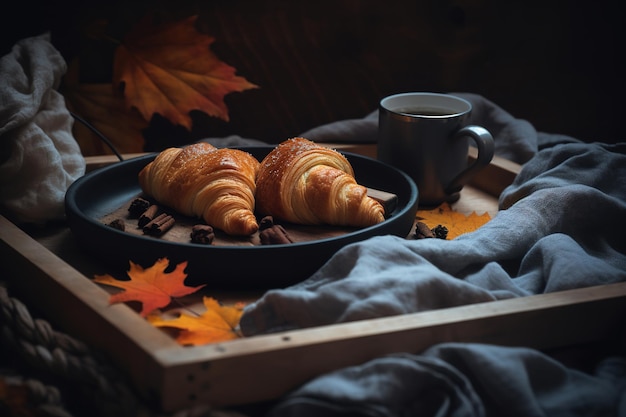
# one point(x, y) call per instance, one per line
point(172, 377)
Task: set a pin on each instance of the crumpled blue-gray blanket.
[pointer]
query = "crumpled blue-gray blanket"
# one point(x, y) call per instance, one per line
point(463, 380)
point(561, 226)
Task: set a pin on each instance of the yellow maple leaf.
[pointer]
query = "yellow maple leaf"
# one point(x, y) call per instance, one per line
point(170, 69)
point(153, 287)
point(456, 223)
point(217, 324)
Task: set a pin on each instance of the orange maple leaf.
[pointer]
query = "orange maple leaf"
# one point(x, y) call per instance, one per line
point(105, 111)
point(456, 223)
point(169, 69)
point(153, 287)
point(217, 324)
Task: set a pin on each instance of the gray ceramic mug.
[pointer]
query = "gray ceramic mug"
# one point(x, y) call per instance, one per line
point(426, 135)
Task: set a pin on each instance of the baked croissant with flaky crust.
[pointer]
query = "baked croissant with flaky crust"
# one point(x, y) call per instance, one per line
point(302, 182)
point(200, 180)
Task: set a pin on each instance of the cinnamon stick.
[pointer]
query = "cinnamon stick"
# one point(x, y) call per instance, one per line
point(147, 216)
point(159, 225)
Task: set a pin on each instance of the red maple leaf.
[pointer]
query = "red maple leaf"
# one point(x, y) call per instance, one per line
point(152, 287)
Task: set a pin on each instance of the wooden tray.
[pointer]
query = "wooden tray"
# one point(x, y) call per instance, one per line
point(47, 271)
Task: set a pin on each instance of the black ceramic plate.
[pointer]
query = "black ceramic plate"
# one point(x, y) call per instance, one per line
point(103, 191)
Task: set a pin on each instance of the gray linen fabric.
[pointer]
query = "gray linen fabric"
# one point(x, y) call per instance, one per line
point(39, 157)
point(463, 380)
point(561, 226)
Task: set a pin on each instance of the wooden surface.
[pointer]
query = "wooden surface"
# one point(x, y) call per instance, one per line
point(175, 377)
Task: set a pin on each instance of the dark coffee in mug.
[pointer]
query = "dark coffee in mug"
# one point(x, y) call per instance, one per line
point(423, 111)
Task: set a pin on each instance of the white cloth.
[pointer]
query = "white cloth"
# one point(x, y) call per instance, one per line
point(39, 157)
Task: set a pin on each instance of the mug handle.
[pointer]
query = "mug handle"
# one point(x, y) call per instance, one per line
point(485, 146)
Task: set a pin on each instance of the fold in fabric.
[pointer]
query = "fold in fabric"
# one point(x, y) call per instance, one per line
point(561, 227)
point(462, 380)
point(39, 157)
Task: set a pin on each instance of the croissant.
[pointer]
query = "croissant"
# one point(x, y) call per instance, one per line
point(305, 183)
point(200, 180)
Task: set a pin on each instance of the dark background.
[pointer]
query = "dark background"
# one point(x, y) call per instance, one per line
point(558, 64)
